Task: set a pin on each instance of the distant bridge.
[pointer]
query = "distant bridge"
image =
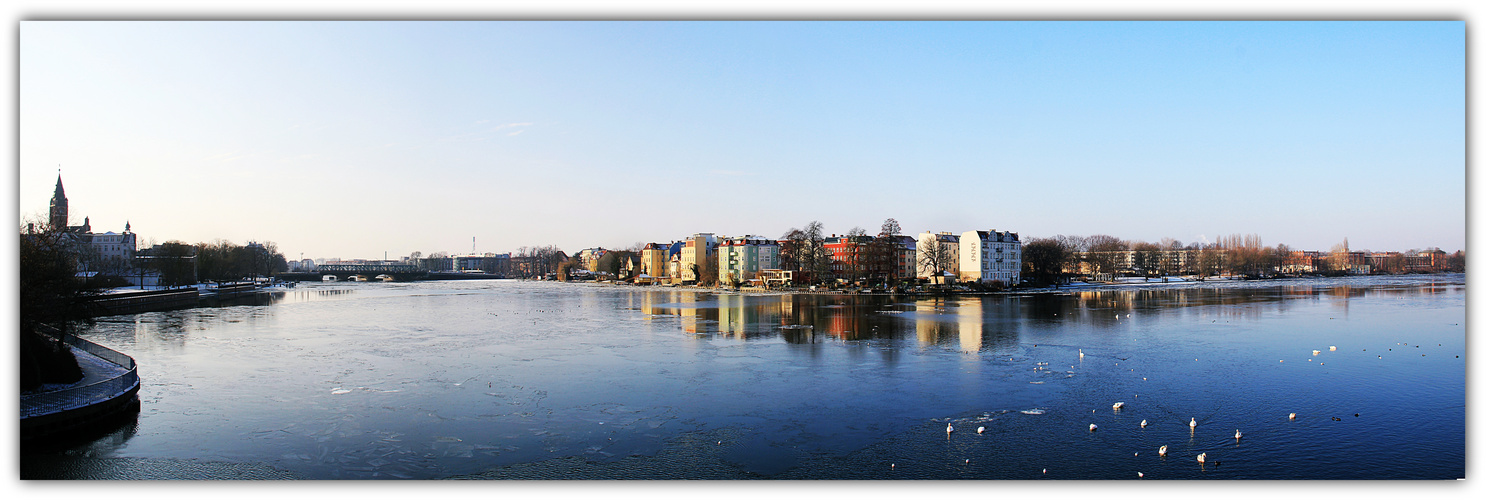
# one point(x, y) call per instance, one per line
point(398, 272)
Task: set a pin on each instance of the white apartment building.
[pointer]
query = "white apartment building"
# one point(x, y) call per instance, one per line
point(993, 255)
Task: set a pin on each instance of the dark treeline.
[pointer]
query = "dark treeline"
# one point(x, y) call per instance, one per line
point(180, 263)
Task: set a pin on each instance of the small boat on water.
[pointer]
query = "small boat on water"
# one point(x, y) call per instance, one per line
point(328, 277)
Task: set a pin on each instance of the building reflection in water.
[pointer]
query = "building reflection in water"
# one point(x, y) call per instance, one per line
point(981, 324)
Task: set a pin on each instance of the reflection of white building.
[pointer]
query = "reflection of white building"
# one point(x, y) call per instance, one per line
point(987, 256)
point(972, 324)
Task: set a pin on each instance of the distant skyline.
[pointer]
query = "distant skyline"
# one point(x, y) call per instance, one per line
point(351, 139)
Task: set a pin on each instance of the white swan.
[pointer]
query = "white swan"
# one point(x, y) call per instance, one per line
point(1292, 416)
point(1193, 424)
point(1201, 458)
point(1162, 451)
point(1333, 348)
point(948, 428)
point(1142, 424)
point(1119, 405)
point(1237, 434)
point(980, 430)
point(1315, 352)
point(1140, 475)
point(1093, 427)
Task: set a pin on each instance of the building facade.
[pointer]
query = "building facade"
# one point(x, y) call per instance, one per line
point(947, 261)
point(739, 260)
point(987, 256)
point(653, 261)
point(695, 251)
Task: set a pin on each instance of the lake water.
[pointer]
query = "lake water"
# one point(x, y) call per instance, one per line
point(540, 380)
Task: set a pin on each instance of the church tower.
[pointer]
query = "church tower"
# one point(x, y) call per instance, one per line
point(59, 207)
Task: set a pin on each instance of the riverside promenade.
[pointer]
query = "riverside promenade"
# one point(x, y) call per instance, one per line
point(109, 389)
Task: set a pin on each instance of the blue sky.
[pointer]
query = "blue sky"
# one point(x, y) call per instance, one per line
point(350, 139)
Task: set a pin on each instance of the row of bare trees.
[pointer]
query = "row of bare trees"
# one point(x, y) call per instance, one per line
point(873, 258)
point(1050, 260)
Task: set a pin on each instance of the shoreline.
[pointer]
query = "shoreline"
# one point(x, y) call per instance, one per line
point(1041, 291)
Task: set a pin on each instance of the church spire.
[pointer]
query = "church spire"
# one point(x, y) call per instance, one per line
point(59, 206)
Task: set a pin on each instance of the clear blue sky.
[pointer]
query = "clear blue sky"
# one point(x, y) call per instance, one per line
point(350, 139)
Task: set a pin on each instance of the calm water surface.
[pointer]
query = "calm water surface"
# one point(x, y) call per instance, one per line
point(508, 379)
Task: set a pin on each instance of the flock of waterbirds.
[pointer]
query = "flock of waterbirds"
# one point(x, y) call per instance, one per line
point(1201, 458)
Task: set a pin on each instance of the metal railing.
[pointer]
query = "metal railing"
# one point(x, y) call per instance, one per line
point(76, 397)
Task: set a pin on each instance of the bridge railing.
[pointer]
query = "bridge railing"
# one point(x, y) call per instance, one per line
point(367, 268)
point(76, 397)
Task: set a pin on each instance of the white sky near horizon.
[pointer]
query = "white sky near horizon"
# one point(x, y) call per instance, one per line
point(351, 139)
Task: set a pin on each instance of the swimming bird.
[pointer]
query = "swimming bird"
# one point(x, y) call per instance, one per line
point(948, 428)
point(1118, 405)
point(1093, 427)
point(1142, 423)
point(1315, 352)
point(1237, 435)
point(1336, 419)
point(1333, 348)
point(1140, 475)
point(1193, 424)
point(1292, 416)
point(980, 430)
point(1080, 353)
point(1201, 458)
point(1162, 451)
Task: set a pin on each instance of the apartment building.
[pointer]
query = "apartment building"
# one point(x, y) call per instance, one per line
point(695, 250)
point(993, 255)
point(937, 250)
point(740, 259)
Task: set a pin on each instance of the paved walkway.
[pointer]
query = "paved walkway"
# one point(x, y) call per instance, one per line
point(77, 394)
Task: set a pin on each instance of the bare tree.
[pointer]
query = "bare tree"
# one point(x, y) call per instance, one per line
point(1146, 257)
point(817, 262)
point(933, 257)
point(889, 251)
point(857, 257)
point(1043, 259)
point(1104, 254)
point(1339, 260)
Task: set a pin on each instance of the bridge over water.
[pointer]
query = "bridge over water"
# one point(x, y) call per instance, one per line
point(398, 272)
